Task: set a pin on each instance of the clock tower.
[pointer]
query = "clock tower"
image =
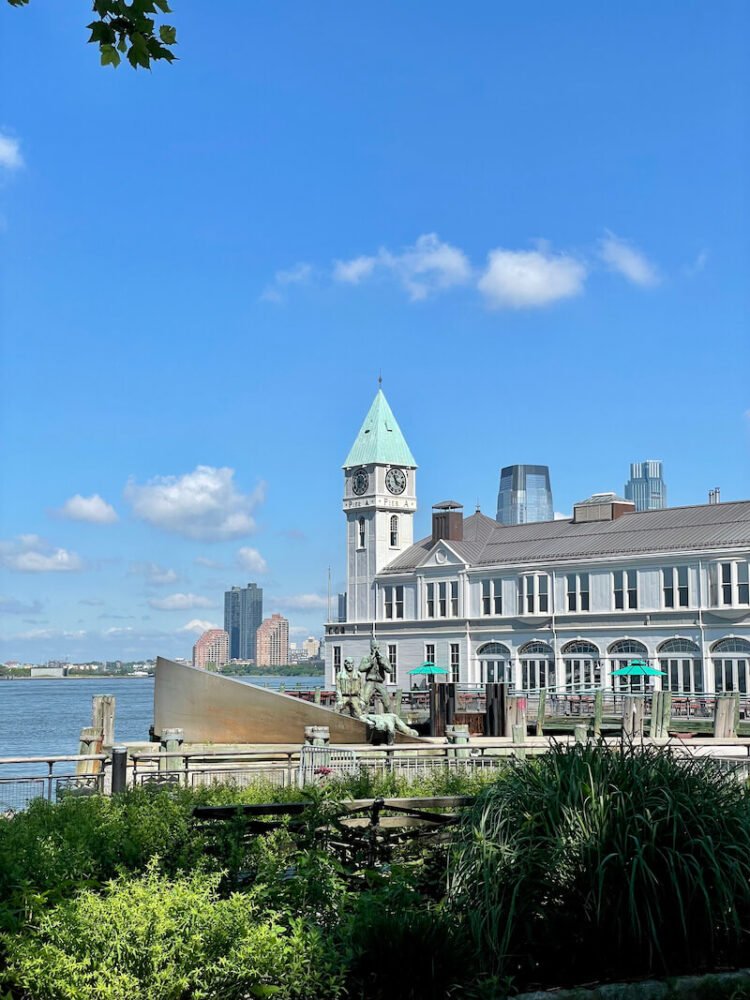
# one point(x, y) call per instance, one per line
point(380, 499)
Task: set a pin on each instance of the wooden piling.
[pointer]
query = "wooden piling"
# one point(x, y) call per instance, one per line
point(632, 717)
point(103, 717)
point(519, 736)
point(90, 741)
point(580, 733)
point(598, 711)
point(725, 711)
point(540, 712)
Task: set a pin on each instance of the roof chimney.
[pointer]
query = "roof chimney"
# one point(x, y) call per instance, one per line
point(448, 521)
point(602, 507)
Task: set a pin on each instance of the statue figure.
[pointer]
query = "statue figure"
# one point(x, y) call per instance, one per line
point(349, 691)
point(376, 668)
point(383, 727)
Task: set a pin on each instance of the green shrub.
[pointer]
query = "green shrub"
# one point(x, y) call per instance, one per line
point(593, 863)
point(149, 938)
point(398, 945)
point(49, 851)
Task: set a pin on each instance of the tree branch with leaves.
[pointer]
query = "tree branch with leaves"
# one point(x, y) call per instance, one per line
point(130, 30)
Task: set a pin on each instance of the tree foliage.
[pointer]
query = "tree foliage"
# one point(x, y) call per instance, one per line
point(129, 29)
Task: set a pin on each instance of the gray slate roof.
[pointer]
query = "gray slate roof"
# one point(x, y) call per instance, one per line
point(488, 543)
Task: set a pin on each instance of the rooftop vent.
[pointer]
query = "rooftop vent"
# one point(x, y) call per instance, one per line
point(602, 507)
point(448, 521)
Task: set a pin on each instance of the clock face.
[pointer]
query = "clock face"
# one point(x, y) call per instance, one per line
point(360, 482)
point(395, 480)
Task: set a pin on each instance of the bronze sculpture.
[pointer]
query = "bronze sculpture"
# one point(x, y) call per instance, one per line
point(376, 668)
point(349, 691)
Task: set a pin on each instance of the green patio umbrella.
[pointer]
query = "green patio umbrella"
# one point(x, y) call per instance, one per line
point(428, 668)
point(637, 668)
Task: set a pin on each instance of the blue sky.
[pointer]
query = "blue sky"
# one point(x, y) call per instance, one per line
point(533, 218)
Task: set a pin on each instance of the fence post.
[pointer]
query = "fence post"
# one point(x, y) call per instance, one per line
point(598, 711)
point(103, 716)
point(119, 769)
point(579, 733)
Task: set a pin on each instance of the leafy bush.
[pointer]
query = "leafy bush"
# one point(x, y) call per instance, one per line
point(149, 938)
point(399, 945)
point(593, 863)
point(49, 851)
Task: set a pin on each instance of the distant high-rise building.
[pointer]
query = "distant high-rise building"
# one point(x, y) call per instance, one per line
point(646, 487)
point(211, 649)
point(273, 642)
point(525, 495)
point(243, 613)
point(311, 648)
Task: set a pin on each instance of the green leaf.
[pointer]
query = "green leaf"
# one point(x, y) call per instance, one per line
point(109, 55)
point(168, 34)
point(161, 4)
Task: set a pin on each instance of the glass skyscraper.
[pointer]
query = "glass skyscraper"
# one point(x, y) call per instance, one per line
point(646, 487)
point(243, 613)
point(525, 495)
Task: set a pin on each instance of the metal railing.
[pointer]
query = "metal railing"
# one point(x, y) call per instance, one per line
point(23, 779)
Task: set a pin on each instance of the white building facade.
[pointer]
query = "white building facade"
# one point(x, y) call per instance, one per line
point(557, 604)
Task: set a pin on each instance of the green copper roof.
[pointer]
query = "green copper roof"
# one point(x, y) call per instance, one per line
point(380, 441)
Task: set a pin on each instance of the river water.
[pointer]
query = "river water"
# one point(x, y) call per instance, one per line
point(44, 717)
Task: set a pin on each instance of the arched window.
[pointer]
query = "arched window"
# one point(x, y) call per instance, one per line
point(537, 665)
point(535, 647)
point(679, 645)
point(394, 531)
point(494, 663)
point(583, 665)
point(681, 664)
point(731, 658)
point(580, 646)
point(631, 646)
point(621, 654)
point(733, 645)
point(361, 533)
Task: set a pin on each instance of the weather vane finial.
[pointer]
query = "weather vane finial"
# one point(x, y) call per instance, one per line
point(380, 379)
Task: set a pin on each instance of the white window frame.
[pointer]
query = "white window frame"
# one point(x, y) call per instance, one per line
point(361, 533)
point(670, 585)
point(580, 595)
point(491, 598)
point(393, 532)
point(737, 586)
point(455, 662)
point(442, 599)
point(531, 594)
point(626, 577)
point(393, 601)
point(429, 652)
point(392, 650)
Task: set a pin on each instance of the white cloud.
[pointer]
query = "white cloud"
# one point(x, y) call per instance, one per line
point(427, 267)
point(198, 626)
point(561, 517)
point(300, 274)
point(10, 152)
point(252, 560)
point(698, 265)
point(32, 554)
point(353, 271)
point(157, 575)
point(302, 602)
point(528, 279)
point(208, 563)
point(92, 509)
point(180, 602)
point(625, 259)
point(204, 504)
